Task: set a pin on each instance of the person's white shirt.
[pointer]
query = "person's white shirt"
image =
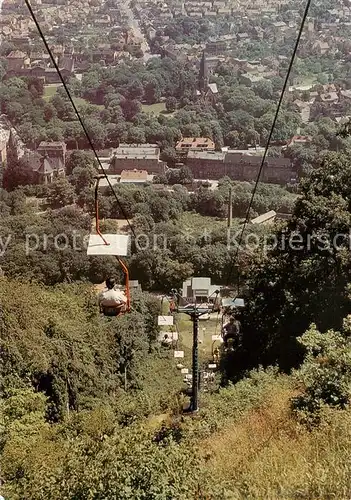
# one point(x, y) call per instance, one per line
point(112, 297)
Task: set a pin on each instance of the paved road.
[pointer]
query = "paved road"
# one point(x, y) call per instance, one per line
point(134, 24)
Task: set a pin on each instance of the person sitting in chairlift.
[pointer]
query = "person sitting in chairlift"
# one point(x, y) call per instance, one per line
point(112, 301)
point(231, 331)
point(216, 355)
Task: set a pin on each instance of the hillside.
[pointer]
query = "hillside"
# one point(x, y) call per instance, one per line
point(223, 130)
point(70, 431)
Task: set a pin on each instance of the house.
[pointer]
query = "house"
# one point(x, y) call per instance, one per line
point(320, 47)
point(299, 139)
point(243, 36)
point(134, 177)
point(346, 95)
point(280, 25)
point(55, 151)
point(16, 60)
point(330, 97)
point(137, 156)
point(48, 170)
point(43, 169)
point(216, 47)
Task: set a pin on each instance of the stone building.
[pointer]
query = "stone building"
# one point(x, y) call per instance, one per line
point(140, 157)
point(207, 92)
point(239, 166)
point(54, 150)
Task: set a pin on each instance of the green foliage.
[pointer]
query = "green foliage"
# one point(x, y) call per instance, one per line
point(325, 372)
point(49, 339)
point(305, 279)
point(61, 193)
point(102, 453)
point(232, 401)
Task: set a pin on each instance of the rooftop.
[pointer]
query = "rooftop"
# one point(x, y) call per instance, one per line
point(52, 145)
point(136, 151)
point(134, 176)
point(16, 54)
point(207, 155)
point(195, 142)
point(267, 217)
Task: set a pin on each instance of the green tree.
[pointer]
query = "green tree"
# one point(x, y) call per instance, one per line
point(264, 89)
point(79, 159)
point(325, 372)
point(171, 104)
point(61, 193)
point(82, 178)
point(305, 277)
point(18, 172)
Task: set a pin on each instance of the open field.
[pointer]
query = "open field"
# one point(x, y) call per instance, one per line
point(79, 101)
point(184, 325)
point(157, 108)
point(50, 90)
point(197, 225)
point(207, 328)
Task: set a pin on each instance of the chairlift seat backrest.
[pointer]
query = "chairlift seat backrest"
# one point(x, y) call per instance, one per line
point(118, 245)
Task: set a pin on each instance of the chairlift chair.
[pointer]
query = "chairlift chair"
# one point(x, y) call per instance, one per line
point(110, 244)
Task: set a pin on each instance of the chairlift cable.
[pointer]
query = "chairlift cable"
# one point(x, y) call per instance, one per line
point(304, 17)
point(41, 34)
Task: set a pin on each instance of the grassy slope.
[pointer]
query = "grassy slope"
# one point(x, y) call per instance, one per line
point(196, 224)
point(266, 454)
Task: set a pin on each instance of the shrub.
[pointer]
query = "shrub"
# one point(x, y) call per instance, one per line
point(325, 372)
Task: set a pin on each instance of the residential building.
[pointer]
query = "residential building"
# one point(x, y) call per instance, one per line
point(299, 139)
point(43, 169)
point(239, 166)
point(55, 151)
point(141, 157)
point(16, 61)
point(48, 170)
point(195, 144)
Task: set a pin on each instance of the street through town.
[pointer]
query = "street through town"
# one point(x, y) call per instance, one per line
point(134, 25)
